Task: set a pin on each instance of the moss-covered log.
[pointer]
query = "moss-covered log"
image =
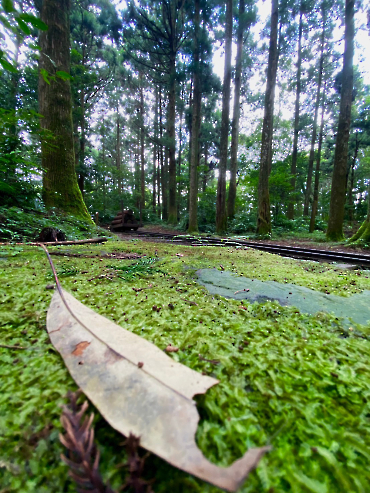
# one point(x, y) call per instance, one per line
point(60, 187)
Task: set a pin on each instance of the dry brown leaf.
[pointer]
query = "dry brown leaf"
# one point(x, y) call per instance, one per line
point(139, 389)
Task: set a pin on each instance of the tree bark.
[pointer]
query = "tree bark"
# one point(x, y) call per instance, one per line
point(315, 201)
point(338, 186)
point(155, 148)
point(195, 125)
point(351, 177)
point(60, 188)
point(142, 159)
point(172, 203)
point(264, 214)
point(236, 114)
point(314, 129)
point(293, 168)
point(221, 215)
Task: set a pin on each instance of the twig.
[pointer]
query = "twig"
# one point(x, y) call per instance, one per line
point(51, 243)
point(12, 347)
point(213, 361)
point(123, 256)
point(188, 301)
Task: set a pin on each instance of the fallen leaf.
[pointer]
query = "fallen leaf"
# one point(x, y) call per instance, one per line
point(153, 402)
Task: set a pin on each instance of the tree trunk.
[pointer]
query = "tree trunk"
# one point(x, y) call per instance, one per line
point(351, 172)
point(195, 125)
point(172, 206)
point(60, 188)
point(163, 171)
point(142, 160)
point(118, 157)
point(264, 214)
point(179, 161)
point(314, 129)
point(155, 148)
point(317, 171)
point(338, 186)
point(81, 157)
point(293, 168)
point(236, 114)
point(206, 168)
point(221, 215)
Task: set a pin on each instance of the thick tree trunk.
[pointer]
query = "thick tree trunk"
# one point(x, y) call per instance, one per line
point(235, 124)
point(315, 201)
point(264, 214)
point(60, 188)
point(338, 186)
point(293, 168)
point(195, 125)
point(221, 215)
point(314, 129)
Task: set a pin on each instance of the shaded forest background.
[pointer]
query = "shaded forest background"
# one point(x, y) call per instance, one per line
point(122, 108)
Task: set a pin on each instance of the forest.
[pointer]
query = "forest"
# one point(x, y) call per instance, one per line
point(279, 140)
point(201, 363)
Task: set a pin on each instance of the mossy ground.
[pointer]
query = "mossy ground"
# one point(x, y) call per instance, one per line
point(296, 381)
point(19, 225)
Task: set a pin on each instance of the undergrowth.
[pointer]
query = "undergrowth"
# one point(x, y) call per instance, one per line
point(297, 381)
point(18, 225)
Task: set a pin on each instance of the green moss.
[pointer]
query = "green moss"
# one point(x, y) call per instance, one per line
point(19, 225)
point(293, 380)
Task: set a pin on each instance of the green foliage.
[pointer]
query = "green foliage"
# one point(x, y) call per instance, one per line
point(243, 222)
point(19, 24)
point(135, 270)
point(19, 225)
point(19, 157)
point(296, 381)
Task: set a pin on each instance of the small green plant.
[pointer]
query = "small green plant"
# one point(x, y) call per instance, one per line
point(137, 269)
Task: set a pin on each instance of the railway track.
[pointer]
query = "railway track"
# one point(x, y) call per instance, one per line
point(360, 260)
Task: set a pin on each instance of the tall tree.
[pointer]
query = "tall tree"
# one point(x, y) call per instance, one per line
point(264, 214)
point(60, 188)
point(221, 215)
point(315, 118)
point(242, 25)
point(338, 186)
point(160, 32)
point(293, 169)
point(315, 201)
point(195, 125)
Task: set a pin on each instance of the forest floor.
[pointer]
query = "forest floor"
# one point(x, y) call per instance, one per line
point(290, 239)
point(298, 381)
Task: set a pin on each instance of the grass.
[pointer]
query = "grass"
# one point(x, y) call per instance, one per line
point(293, 380)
